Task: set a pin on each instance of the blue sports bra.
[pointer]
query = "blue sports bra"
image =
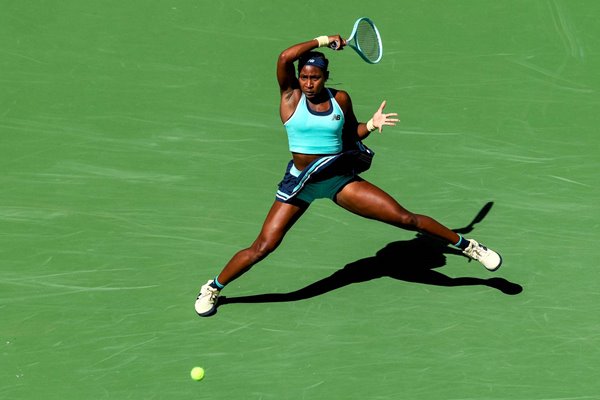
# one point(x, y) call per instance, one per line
point(311, 132)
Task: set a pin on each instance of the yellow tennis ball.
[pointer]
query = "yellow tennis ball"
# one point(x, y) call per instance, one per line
point(197, 373)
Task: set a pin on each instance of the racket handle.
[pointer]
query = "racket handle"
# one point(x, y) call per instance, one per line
point(335, 45)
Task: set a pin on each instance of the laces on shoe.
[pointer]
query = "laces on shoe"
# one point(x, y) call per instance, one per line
point(479, 251)
point(209, 292)
point(213, 293)
point(475, 250)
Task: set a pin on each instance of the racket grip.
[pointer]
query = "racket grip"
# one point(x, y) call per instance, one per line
point(334, 45)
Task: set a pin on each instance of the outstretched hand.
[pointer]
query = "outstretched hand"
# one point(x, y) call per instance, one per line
point(380, 119)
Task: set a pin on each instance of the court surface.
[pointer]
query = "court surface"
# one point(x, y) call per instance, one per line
point(140, 147)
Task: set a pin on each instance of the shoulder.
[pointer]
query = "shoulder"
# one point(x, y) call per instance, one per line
point(343, 99)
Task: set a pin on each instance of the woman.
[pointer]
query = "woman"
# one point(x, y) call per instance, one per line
point(327, 155)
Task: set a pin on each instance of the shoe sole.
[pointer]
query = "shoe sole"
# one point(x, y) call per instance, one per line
point(210, 312)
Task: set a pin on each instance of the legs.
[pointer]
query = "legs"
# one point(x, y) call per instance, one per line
point(367, 200)
point(280, 219)
point(359, 197)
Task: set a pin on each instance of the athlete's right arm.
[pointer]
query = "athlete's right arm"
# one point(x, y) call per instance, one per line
point(286, 75)
point(289, 89)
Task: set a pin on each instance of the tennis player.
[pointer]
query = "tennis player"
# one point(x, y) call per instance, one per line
point(325, 139)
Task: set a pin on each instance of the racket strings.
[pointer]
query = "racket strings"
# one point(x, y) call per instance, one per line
point(367, 40)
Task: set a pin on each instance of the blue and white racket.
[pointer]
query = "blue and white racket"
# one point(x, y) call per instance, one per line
point(365, 40)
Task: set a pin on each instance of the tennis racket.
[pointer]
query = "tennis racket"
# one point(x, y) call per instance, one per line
point(365, 40)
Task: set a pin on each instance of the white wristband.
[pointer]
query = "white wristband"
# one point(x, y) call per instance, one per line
point(371, 126)
point(323, 41)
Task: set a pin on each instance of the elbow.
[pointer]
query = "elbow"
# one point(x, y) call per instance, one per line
point(285, 58)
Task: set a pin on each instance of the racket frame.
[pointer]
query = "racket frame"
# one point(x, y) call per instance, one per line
point(356, 48)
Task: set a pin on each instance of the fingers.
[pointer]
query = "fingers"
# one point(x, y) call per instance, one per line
point(387, 123)
point(385, 119)
point(337, 43)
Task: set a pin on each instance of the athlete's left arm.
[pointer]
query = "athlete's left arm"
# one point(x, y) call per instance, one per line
point(361, 130)
point(353, 130)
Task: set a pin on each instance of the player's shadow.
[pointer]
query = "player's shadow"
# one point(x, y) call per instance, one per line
point(412, 260)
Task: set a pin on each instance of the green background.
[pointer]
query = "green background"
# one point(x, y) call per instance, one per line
point(140, 147)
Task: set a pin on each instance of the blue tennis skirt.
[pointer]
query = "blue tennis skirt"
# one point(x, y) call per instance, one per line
point(324, 177)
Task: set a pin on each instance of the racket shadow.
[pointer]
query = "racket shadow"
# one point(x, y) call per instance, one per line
point(412, 261)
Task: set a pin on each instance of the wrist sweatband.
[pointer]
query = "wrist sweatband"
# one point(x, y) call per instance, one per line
point(323, 41)
point(371, 126)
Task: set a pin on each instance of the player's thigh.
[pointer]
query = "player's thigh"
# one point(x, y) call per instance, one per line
point(367, 200)
point(279, 220)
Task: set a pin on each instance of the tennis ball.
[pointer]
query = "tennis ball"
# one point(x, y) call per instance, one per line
point(197, 373)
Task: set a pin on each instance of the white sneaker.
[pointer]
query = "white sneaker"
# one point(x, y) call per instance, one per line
point(488, 257)
point(206, 303)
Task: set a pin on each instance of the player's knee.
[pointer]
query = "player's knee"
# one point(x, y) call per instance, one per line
point(408, 220)
point(264, 246)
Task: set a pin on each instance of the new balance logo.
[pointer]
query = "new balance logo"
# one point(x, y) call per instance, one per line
point(336, 117)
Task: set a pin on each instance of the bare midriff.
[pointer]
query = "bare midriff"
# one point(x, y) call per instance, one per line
point(301, 161)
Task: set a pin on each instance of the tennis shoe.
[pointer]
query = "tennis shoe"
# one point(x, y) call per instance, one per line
point(488, 257)
point(206, 302)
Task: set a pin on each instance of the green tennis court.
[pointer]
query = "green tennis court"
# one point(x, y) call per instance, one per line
point(140, 147)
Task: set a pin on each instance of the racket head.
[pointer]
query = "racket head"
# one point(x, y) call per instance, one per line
point(366, 40)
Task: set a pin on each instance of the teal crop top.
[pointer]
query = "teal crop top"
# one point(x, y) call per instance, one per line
point(311, 132)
